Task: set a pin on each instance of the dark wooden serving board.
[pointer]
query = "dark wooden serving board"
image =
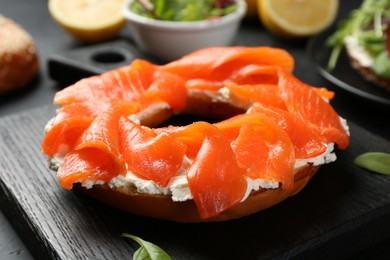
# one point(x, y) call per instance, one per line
point(340, 213)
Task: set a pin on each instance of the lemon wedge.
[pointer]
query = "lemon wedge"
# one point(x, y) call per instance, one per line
point(89, 20)
point(297, 18)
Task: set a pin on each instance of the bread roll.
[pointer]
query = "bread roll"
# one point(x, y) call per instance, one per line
point(18, 56)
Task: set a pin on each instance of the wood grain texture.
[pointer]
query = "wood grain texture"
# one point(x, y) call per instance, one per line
point(342, 211)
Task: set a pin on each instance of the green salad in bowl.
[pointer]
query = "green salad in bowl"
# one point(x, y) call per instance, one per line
point(183, 10)
point(365, 35)
point(170, 29)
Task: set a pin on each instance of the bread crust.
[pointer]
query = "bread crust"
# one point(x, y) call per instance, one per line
point(18, 56)
point(162, 207)
point(211, 104)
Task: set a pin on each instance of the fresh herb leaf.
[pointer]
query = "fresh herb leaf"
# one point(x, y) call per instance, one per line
point(223, 11)
point(381, 65)
point(374, 161)
point(183, 10)
point(372, 16)
point(371, 43)
point(147, 251)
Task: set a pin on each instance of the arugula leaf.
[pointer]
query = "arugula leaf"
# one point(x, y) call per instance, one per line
point(147, 251)
point(223, 11)
point(381, 65)
point(374, 161)
point(372, 17)
point(183, 10)
point(371, 43)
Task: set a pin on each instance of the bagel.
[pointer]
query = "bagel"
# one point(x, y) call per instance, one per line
point(259, 146)
point(162, 207)
point(18, 57)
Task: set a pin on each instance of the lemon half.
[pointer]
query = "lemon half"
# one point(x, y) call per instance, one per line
point(297, 18)
point(89, 20)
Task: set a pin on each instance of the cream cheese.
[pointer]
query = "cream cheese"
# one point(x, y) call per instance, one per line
point(358, 52)
point(178, 187)
point(327, 157)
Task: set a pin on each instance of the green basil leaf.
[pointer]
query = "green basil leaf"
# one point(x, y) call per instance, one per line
point(223, 11)
point(375, 48)
point(372, 43)
point(147, 251)
point(381, 65)
point(138, 8)
point(374, 161)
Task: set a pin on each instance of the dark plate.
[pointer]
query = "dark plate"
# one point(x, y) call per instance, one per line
point(344, 76)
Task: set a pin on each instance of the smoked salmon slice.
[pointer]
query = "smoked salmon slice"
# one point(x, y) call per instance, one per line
point(280, 157)
point(325, 93)
point(151, 156)
point(64, 136)
point(204, 84)
point(215, 179)
point(219, 63)
point(90, 89)
point(96, 157)
point(67, 127)
point(140, 82)
point(87, 165)
point(306, 142)
point(256, 74)
point(304, 102)
point(248, 74)
point(188, 135)
point(166, 87)
point(214, 163)
point(266, 94)
point(126, 83)
point(251, 151)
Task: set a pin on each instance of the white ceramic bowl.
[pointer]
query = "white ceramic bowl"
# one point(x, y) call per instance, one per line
point(170, 40)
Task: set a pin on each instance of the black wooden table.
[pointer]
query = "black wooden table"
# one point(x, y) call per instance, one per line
point(358, 230)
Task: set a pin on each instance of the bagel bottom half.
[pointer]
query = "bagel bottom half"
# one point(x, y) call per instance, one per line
point(162, 207)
